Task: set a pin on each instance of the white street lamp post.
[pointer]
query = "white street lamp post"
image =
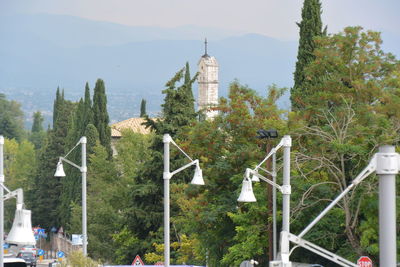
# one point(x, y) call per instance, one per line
point(1, 201)
point(60, 173)
point(197, 179)
point(386, 164)
point(247, 194)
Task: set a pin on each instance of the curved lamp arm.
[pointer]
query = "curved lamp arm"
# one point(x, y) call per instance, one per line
point(285, 141)
point(184, 167)
point(265, 179)
point(71, 163)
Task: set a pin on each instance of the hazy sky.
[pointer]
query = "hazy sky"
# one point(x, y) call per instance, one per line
point(275, 18)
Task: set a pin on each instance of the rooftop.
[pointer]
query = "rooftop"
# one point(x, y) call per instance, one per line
point(134, 124)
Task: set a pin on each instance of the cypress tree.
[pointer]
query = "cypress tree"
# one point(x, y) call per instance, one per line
point(71, 187)
point(37, 125)
point(47, 188)
point(100, 115)
point(92, 137)
point(37, 133)
point(56, 105)
point(87, 111)
point(143, 108)
point(310, 27)
point(188, 85)
point(145, 216)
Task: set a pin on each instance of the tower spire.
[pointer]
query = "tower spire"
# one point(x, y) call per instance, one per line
point(205, 48)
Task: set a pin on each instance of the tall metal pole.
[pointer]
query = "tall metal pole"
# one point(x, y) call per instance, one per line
point(387, 204)
point(84, 220)
point(1, 201)
point(274, 203)
point(286, 190)
point(166, 177)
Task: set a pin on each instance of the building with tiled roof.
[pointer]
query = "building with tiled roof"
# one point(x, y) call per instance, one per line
point(133, 124)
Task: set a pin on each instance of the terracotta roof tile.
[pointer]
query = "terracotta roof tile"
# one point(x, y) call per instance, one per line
point(135, 124)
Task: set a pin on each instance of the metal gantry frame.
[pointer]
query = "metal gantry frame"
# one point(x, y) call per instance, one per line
point(386, 164)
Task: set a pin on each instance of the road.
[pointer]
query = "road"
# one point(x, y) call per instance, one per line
point(44, 263)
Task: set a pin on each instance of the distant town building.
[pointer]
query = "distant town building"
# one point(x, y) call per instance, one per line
point(133, 124)
point(208, 84)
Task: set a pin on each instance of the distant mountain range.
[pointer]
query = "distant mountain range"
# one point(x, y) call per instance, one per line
point(41, 52)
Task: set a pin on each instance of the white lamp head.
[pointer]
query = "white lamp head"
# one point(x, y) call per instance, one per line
point(254, 177)
point(60, 170)
point(247, 194)
point(198, 176)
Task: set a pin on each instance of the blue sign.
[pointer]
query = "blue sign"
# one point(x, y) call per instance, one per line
point(39, 233)
point(40, 252)
point(60, 254)
point(6, 245)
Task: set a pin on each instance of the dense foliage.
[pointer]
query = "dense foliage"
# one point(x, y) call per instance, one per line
point(349, 111)
point(11, 118)
point(144, 218)
point(345, 101)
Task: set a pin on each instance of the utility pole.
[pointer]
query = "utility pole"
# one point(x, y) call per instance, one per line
point(271, 193)
point(270, 208)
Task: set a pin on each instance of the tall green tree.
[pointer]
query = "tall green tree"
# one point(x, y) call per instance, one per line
point(37, 125)
point(100, 115)
point(188, 83)
point(20, 162)
point(133, 154)
point(353, 92)
point(310, 27)
point(143, 108)
point(145, 215)
point(38, 134)
point(47, 189)
point(11, 119)
point(56, 105)
point(104, 208)
point(228, 232)
point(88, 109)
point(79, 122)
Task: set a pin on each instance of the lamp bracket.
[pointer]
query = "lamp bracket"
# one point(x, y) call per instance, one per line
point(167, 138)
point(286, 141)
point(83, 169)
point(387, 163)
point(18, 194)
point(167, 175)
point(286, 189)
point(83, 140)
point(270, 173)
point(71, 163)
point(371, 167)
point(1, 178)
point(183, 167)
point(5, 188)
point(265, 179)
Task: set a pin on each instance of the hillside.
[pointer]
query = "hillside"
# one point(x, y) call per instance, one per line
point(42, 52)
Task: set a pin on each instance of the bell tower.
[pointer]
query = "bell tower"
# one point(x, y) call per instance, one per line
point(208, 84)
